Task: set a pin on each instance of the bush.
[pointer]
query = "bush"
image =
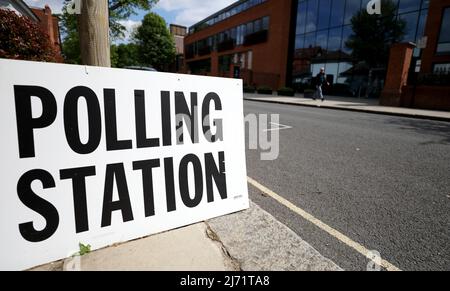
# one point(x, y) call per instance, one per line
point(21, 38)
point(249, 89)
point(265, 90)
point(286, 91)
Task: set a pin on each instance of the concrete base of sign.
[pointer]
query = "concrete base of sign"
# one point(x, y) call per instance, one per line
point(185, 249)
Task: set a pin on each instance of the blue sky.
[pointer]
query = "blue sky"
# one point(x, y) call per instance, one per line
point(182, 12)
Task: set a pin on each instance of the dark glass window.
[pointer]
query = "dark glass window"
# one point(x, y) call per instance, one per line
point(346, 32)
point(322, 39)
point(351, 8)
point(334, 39)
point(337, 13)
point(411, 26)
point(301, 17)
point(257, 25)
point(265, 23)
point(311, 17)
point(299, 41)
point(408, 6)
point(310, 40)
point(324, 14)
point(250, 28)
point(425, 4)
point(444, 35)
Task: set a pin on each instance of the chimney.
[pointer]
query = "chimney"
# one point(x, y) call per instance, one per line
point(49, 24)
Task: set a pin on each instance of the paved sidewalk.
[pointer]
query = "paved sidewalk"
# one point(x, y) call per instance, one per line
point(184, 249)
point(352, 104)
point(250, 240)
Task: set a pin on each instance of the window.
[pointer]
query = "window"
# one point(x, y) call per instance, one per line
point(310, 40)
point(249, 28)
point(322, 39)
point(347, 31)
point(301, 17)
point(443, 46)
point(311, 17)
point(257, 25)
point(299, 41)
point(334, 39)
point(265, 23)
point(351, 8)
point(408, 6)
point(337, 13)
point(411, 25)
point(324, 14)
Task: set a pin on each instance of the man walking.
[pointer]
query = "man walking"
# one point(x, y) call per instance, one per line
point(320, 81)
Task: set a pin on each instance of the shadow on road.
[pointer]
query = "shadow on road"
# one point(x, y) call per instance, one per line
point(439, 129)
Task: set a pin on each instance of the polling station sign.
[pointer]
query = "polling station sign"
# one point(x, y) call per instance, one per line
point(100, 156)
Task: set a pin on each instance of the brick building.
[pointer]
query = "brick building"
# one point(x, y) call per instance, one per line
point(42, 16)
point(286, 42)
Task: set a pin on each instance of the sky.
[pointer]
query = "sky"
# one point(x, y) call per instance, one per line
point(182, 12)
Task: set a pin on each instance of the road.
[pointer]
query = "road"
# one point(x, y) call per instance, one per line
point(382, 181)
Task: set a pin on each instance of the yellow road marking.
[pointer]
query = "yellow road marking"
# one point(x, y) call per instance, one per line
point(333, 232)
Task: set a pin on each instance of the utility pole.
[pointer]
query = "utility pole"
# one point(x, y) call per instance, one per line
point(93, 23)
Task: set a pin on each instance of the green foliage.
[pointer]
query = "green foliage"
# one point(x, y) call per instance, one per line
point(373, 35)
point(156, 46)
point(21, 38)
point(286, 91)
point(124, 55)
point(265, 90)
point(123, 9)
point(118, 10)
point(84, 249)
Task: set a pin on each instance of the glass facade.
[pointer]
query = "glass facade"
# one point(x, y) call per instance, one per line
point(322, 29)
point(250, 33)
point(232, 10)
point(443, 46)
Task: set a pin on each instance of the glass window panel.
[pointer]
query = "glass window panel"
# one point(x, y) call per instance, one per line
point(322, 39)
point(311, 17)
point(332, 69)
point(343, 66)
point(351, 8)
point(408, 6)
point(301, 17)
point(334, 39)
point(346, 32)
point(422, 22)
point(324, 14)
point(444, 35)
point(299, 41)
point(411, 26)
point(249, 28)
point(310, 40)
point(425, 4)
point(337, 12)
point(265, 23)
point(257, 25)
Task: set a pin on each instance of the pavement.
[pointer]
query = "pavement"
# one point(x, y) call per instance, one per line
point(251, 240)
point(351, 104)
point(380, 181)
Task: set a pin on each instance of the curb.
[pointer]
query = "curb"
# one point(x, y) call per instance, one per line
point(399, 114)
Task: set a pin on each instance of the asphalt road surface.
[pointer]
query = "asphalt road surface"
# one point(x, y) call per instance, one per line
point(382, 181)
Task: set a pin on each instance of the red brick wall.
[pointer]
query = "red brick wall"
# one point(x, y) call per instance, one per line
point(269, 58)
point(49, 24)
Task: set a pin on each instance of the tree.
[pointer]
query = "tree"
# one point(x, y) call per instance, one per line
point(118, 10)
point(21, 38)
point(124, 55)
point(373, 35)
point(156, 46)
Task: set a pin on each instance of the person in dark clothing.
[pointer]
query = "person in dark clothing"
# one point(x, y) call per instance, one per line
point(320, 81)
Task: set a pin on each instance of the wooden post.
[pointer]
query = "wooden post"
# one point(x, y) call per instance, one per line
point(93, 24)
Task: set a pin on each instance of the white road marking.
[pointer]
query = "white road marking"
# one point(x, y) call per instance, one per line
point(333, 232)
point(279, 127)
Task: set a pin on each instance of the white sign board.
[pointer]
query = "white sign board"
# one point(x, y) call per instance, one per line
point(100, 156)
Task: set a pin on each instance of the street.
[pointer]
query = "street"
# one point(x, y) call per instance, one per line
point(382, 181)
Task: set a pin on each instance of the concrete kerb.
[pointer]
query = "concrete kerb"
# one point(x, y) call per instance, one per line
point(378, 112)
